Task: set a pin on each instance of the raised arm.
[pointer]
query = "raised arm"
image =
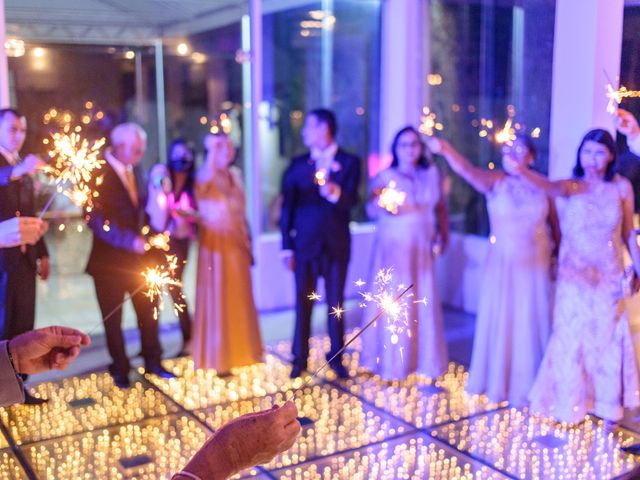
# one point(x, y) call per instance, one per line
point(553, 188)
point(480, 179)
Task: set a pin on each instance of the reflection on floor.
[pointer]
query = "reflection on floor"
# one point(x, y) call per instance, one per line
point(362, 428)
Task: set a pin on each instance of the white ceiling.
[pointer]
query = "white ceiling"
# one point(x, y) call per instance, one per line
point(123, 21)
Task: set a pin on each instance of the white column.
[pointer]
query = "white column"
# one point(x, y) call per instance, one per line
point(252, 98)
point(403, 63)
point(160, 100)
point(587, 43)
point(4, 65)
point(326, 55)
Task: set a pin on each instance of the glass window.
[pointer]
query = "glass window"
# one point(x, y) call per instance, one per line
point(203, 85)
point(89, 87)
point(491, 63)
point(318, 58)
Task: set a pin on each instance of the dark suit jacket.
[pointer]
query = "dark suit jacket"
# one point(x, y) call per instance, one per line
point(310, 224)
point(115, 221)
point(17, 198)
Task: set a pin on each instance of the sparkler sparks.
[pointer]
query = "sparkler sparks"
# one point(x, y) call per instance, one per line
point(320, 177)
point(314, 296)
point(506, 134)
point(156, 279)
point(389, 304)
point(396, 311)
point(337, 312)
point(74, 162)
point(391, 198)
point(616, 96)
point(159, 277)
point(359, 283)
point(428, 122)
point(159, 241)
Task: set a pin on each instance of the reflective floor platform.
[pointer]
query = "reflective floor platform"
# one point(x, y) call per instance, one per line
point(361, 428)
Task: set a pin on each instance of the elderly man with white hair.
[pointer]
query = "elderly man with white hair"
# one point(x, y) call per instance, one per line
point(118, 253)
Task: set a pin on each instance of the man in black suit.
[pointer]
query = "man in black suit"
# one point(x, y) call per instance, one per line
point(18, 265)
point(319, 189)
point(118, 253)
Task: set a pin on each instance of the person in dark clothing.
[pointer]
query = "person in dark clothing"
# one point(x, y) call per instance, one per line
point(119, 252)
point(319, 190)
point(18, 265)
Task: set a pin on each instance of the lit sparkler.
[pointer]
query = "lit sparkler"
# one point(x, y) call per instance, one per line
point(616, 96)
point(320, 177)
point(156, 279)
point(74, 162)
point(506, 134)
point(337, 312)
point(314, 296)
point(388, 304)
point(429, 123)
point(391, 198)
point(159, 241)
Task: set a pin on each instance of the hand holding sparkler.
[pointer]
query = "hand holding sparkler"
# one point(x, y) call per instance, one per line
point(29, 165)
point(627, 124)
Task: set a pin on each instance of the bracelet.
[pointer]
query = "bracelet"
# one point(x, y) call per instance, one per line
point(190, 475)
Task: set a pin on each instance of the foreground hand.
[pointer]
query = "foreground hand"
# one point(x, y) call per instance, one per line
point(21, 230)
point(626, 123)
point(46, 348)
point(247, 441)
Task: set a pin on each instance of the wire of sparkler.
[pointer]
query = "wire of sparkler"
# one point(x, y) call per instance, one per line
point(351, 340)
point(49, 202)
point(112, 312)
point(47, 205)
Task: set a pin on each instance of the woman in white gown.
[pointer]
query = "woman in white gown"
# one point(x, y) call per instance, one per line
point(406, 200)
point(514, 311)
point(589, 365)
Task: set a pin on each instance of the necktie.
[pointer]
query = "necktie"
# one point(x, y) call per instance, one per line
point(131, 184)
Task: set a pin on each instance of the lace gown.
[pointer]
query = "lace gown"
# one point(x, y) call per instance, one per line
point(404, 242)
point(514, 313)
point(226, 331)
point(589, 365)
